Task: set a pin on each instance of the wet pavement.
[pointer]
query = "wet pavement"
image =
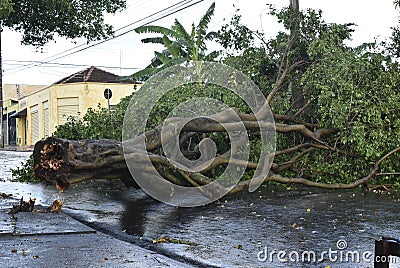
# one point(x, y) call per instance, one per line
point(11, 159)
point(36, 239)
point(243, 230)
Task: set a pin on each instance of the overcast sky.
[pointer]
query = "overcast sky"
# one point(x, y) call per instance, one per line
point(123, 54)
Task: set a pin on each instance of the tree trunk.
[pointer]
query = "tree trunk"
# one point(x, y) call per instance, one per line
point(298, 100)
point(63, 162)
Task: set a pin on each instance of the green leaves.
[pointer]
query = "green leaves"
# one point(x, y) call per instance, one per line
point(154, 40)
point(356, 90)
point(39, 21)
point(154, 29)
point(6, 7)
point(201, 28)
point(234, 35)
point(95, 124)
point(24, 173)
point(180, 46)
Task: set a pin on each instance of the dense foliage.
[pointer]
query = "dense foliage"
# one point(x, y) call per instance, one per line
point(355, 90)
point(358, 92)
point(96, 123)
point(5, 8)
point(39, 21)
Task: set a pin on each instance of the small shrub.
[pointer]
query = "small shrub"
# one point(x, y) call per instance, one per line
point(25, 172)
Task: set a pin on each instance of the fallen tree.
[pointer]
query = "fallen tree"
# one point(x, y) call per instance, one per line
point(343, 134)
point(64, 162)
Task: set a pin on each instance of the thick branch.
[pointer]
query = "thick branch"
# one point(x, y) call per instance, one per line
point(278, 178)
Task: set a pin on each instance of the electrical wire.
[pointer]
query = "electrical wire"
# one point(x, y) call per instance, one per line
point(61, 65)
point(83, 44)
point(176, 8)
point(126, 32)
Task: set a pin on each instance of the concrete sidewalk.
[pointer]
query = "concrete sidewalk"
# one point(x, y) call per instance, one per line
point(15, 148)
point(41, 239)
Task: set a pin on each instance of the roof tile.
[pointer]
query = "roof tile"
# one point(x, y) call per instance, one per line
point(91, 74)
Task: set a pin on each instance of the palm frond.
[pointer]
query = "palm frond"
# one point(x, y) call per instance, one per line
point(193, 33)
point(175, 61)
point(154, 40)
point(155, 29)
point(181, 32)
point(180, 46)
point(162, 57)
point(155, 62)
point(173, 49)
point(203, 25)
point(144, 74)
point(211, 35)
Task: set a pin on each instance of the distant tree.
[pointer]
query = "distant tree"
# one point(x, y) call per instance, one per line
point(39, 21)
point(394, 43)
point(5, 8)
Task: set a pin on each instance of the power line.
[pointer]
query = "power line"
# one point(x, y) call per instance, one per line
point(83, 44)
point(172, 6)
point(59, 64)
point(126, 32)
point(178, 7)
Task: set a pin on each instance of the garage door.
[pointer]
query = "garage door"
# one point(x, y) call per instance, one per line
point(35, 124)
point(67, 107)
point(46, 119)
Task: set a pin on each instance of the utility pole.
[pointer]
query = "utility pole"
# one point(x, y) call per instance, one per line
point(294, 30)
point(295, 4)
point(1, 96)
point(297, 91)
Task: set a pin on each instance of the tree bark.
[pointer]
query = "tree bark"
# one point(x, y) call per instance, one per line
point(64, 162)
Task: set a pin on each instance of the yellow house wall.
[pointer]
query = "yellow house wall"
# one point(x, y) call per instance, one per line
point(30, 101)
point(10, 90)
point(89, 96)
point(11, 108)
